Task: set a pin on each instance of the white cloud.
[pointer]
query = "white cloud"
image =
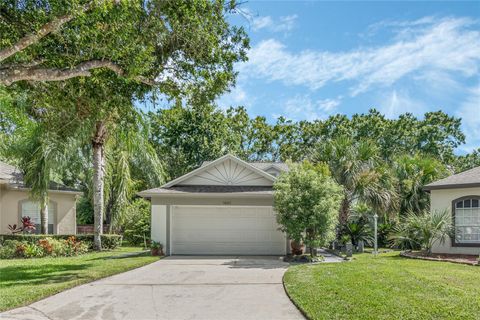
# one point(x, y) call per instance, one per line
point(236, 97)
point(469, 111)
point(450, 46)
point(397, 102)
point(259, 23)
point(304, 107)
point(282, 24)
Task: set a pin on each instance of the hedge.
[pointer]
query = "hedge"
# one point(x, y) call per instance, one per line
point(109, 241)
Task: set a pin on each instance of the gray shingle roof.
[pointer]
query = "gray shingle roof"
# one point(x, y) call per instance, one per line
point(200, 189)
point(466, 179)
point(10, 173)
point(14, 177)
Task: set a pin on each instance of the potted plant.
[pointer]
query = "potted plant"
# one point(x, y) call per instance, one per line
point(156, 248)
point(297, 247)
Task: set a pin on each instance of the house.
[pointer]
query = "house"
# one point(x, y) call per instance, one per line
point(15, 203)
point(460, 196)
point(223, 207)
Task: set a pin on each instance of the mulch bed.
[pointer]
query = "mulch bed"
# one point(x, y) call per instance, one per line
point(455, 258)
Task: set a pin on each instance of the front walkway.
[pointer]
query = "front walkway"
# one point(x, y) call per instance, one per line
point(179, 287)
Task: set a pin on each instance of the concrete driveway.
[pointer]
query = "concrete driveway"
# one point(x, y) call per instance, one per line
point(179, 287)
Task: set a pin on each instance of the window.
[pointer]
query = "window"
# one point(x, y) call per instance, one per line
point(467, 220)
point(32, 210)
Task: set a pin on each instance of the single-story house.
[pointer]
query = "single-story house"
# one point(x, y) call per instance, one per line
point(223, 207)
point(15, 202)
point(459, 194)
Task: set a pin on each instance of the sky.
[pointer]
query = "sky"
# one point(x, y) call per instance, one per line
point(312, 59)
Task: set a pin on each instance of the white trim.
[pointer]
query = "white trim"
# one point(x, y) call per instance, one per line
point(206, 195)
point(212, 164)
point(13, 188)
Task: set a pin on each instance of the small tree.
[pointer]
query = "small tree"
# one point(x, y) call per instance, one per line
point(307, 201)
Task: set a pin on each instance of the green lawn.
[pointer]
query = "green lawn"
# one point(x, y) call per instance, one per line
point(23, 281)
point(386, 287)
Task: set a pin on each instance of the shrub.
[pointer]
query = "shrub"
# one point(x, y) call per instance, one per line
point(73, 246)
point(32, 251)
point(9, 249)
point(42, 247)
point(307, 201)
point(136, 225)
point(357, 229)
point(422, 231)
point(109, 241)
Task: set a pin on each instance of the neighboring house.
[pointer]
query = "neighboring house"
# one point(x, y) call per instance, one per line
point(15, 202)
point(460, 195)
point(223, 207)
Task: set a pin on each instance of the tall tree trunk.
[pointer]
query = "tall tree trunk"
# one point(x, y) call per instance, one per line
point(344, 211)
point(44, 217)
point(98, 143)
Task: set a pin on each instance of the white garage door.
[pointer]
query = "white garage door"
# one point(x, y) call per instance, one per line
point(225, 230)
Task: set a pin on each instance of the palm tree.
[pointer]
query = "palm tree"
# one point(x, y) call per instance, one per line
point(357, 166)
point(41, 155)
point(422, 230)
point(413, 173)
point(130, 161)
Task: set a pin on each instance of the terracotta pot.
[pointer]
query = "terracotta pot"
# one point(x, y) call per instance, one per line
point(155, 251)
point(297, 248)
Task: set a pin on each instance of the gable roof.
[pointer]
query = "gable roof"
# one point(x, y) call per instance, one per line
point(183, 185)
point(262, 165)
point(212, 164)
point(13, 177)
point(465, 179)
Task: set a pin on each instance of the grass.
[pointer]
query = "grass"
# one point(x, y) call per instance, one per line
point(386, 287)
point(23, 281)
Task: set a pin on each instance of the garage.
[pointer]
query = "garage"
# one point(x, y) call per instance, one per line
point(224, 207)
point(225, 230)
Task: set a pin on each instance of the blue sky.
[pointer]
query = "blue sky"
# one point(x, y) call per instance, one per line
point(312, 59)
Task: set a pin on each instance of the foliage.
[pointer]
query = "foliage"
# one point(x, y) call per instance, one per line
point(14, 228)
point(413, 173)
point(307, 200)
point(468, 161)
point(156, 245)
point(175, 47)
point(136, 223)
point(358, 229)
point(20, 278)
point(84, 210)
point(387, 284)
point(436, 134)
point(188, 136)
point(42, 247)
point(109, 241)
point(422, 230)
point(357, 166)
point(27, 225)
point(384, 231)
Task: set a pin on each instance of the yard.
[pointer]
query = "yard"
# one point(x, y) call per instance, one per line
point(385, 287)
point(23, 281)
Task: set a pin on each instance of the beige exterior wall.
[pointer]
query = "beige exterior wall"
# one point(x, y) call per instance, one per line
point(442, 200)
point(10, 199)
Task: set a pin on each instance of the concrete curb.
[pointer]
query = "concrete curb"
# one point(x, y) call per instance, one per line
point(304, 314)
